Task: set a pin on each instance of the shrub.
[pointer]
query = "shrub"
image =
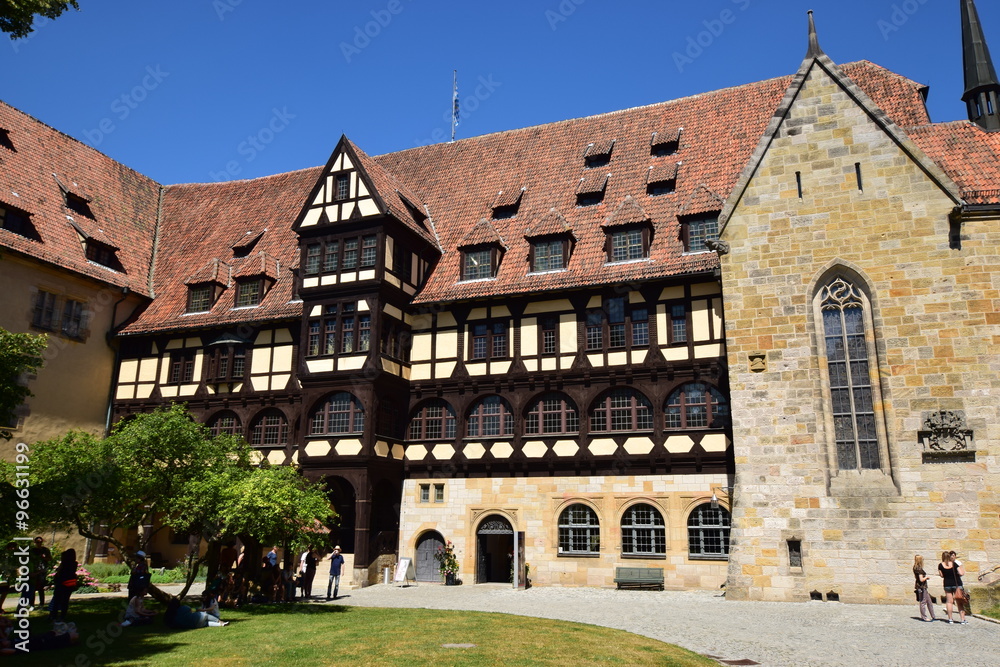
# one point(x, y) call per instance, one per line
point(101, 571)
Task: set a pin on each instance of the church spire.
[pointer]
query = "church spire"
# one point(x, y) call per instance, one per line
point(982, 89)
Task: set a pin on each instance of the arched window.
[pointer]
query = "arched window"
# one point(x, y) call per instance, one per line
point(696, 405)
point(621, 410)
point(490, 416)
point(340, 413)
point(850, 378)
point(643, 531)
point(269, 429)
point(579, 531)
point(435, 419)
point(552, 413)
point(224, 423)
point(708, 532)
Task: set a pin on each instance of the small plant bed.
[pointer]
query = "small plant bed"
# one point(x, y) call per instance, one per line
point(307, 635)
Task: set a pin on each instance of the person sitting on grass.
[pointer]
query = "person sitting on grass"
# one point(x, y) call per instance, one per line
point(62, 636)
point(210, 605)
point(183, 617)
point(136, 612)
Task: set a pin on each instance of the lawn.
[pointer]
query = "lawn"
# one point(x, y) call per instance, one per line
point(312, 635)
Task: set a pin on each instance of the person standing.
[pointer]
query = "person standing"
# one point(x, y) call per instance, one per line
point(64, 583)
point(272, 556)
point(41, 561)
point(921, 591)
point(952, 575)
point(309, 574)
point(336, 563)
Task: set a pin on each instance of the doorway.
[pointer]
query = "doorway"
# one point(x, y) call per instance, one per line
point(427, 567)
point(495, 548)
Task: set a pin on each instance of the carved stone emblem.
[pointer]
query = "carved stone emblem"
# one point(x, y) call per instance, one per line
point(758, 361)
point(945, 431)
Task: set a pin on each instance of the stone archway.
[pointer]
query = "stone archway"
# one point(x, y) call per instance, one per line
point(494, 547)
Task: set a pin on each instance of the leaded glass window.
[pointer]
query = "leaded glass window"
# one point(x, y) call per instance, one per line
point(552, 413)
point(340, 413)
point(436, 419)
point(621, 410)
point(843, 310)
point(579, 531)
point(643, 531)
point(696, 405)
point(490, 417)
point(708, 532)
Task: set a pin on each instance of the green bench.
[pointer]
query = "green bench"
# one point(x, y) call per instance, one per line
point(639, 577)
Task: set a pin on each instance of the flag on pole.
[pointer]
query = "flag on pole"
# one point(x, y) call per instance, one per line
point(455, 106)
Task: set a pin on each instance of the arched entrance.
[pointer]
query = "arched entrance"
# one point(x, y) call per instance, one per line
point(426, 565)
point(494, 547)
point(342, 497)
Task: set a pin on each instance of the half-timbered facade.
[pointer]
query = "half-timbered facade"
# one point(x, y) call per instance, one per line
point(530, 338)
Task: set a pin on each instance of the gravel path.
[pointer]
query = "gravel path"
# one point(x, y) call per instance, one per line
point(775, 634)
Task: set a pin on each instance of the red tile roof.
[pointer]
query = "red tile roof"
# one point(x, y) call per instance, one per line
point(968, 154)
point(629, 212)
point(124, 202)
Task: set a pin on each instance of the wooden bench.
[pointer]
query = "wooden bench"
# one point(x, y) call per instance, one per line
point(639, 577)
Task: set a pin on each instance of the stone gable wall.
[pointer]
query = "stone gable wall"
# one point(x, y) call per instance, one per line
point(935, 314)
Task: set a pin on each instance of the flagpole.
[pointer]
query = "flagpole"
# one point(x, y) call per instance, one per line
point(454, 102)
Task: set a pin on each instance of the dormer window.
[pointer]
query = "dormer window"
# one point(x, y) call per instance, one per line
point(79, 205)
point(661, 180)
point(103, 254)
point(628, 243)
point(249, 292)
point(5, 140)
point(697, 230)
point(246, 243)
point(507, 211)
point(480, 262)
point(591, 190)
point(200, 298)
point(549, 253)
point(18, 222)
point(598, 154)
point(506, 203)
point(665, 142)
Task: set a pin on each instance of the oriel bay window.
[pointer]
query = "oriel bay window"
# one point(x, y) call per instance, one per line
point(616, 326)
point(226, 363)
point(488, 340)
point(334, 256)
point(340, 413)
point(341, 330)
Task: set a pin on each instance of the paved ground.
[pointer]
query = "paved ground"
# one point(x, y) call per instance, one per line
point(774, 634)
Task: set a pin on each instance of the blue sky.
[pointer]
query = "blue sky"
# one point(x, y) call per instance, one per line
point(202, 90)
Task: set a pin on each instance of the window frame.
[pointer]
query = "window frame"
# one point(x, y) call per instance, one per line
point(716, 412)
point(564, 253)
point(702, 224)
point(447, 428)
point(182, 363)
point(103, 254)
point(492, 337)
point(44, 314)
point(229, 357)
point(233, 428)
point(671, 310)
point(17, 221)
point(650, 532)
point(259, 429)
point(548, 346)
point(645, 241)
point(355, 420)
point(568, 414)
point(605, 404)
point(476, 418)
point(493, 254)
point(341, 324)
point(699, 531)
point(571, 528)
point(74, 319)
point(251, 298)
point(607, 330)
point(210, 293)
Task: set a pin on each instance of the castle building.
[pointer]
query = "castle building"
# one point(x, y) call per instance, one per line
point(748, 337)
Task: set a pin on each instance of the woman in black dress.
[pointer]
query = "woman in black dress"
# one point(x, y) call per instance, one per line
point(952, 575)
point(64, 583)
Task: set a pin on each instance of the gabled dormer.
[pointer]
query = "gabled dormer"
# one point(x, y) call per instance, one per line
point(482, 250)
point(206, 285)
point(344, 191)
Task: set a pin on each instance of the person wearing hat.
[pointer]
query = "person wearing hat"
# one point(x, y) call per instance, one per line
point(139, 579)
point(336, 563)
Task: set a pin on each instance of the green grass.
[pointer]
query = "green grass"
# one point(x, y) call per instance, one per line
point(992, 612)
point(311, 635)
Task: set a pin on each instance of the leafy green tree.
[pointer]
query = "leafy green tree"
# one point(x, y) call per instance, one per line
point(166, 470)
point(19, 354)
point(17, 16)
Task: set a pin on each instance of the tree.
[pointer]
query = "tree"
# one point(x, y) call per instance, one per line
point(17, 16)
point(19, 354)
point(166, 470)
